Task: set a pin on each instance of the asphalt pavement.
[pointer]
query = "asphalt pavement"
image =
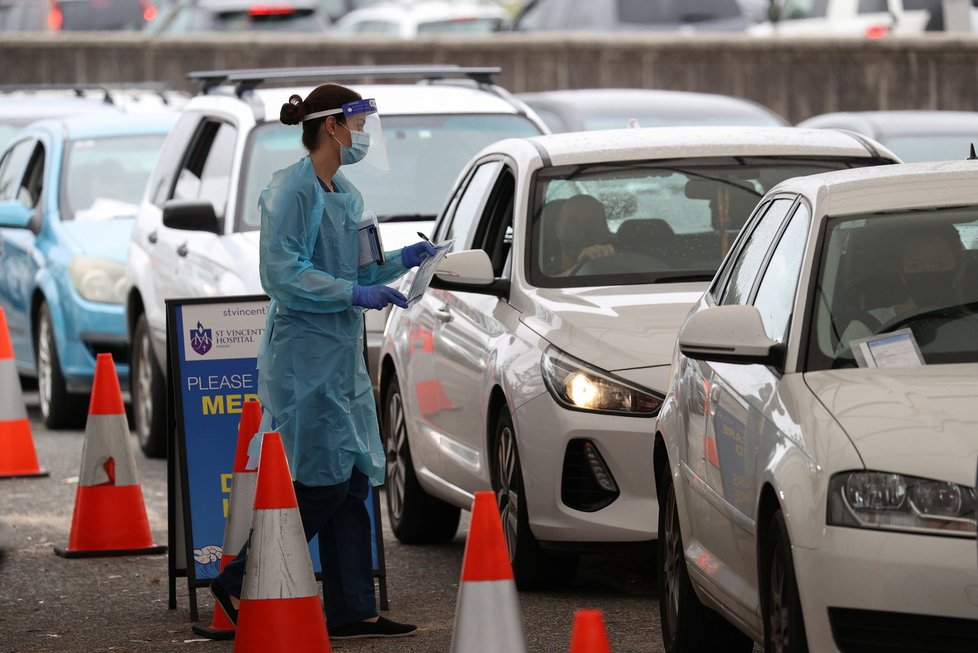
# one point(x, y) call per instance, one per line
point(91, 605)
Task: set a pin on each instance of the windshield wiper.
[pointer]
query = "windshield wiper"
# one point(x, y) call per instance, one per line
point(679, 278)
point(405, 217)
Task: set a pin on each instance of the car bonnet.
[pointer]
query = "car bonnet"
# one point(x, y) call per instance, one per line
point(613, 327)
point(917, 421)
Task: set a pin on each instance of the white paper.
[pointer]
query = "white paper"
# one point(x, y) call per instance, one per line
point(427, 270)
point(896, 349)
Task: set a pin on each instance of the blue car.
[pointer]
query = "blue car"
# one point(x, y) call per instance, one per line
point(69, 190)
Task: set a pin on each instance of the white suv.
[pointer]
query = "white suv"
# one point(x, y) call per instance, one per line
point(196, 234)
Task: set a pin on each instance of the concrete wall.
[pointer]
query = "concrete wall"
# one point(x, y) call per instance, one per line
point(796, 78)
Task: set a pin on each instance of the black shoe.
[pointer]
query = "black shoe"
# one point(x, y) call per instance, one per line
point(364, 629)
point(223, 598)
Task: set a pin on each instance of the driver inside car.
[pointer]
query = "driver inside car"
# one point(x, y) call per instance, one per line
point(582, 230)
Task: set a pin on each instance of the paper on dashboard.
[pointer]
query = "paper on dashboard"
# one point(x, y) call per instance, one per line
point(896, 349)
point(427, 270)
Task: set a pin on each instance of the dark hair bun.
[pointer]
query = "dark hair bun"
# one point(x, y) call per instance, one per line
point(293, 111)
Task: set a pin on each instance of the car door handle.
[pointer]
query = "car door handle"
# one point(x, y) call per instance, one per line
point(152, 238)
point(443, 314)
point(182, 250)
point(714, 393)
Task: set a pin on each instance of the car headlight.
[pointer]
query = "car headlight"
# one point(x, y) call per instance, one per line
point(579, 386)
point(896, 502)
point(98, 279)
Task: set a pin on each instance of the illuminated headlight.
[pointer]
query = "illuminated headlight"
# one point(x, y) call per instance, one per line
point(98, 279)
point(895, 502)
point(576, 385)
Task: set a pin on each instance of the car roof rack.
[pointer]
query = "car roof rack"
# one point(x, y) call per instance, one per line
point(248, 79)
point(107, 89)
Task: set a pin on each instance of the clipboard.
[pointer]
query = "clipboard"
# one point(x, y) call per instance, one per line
point(419, 284)
point(371, 244)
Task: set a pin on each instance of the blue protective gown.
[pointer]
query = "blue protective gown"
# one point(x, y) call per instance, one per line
point(311, 372)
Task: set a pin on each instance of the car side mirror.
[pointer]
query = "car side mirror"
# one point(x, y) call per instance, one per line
point(15, 215)
point(468, 271)
point(729, 334)
point(190, 215)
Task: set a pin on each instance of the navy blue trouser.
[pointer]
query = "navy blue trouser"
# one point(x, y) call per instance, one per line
point(338, 514)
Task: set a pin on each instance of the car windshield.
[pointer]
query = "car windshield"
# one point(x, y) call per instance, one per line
point(105, 177)
point(83, 15)
point(426, 154)
point(929, 147)
point(682, 11)
point(880, 273)
point(647, 222)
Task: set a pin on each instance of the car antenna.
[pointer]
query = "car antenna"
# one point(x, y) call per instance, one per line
point(973, 155)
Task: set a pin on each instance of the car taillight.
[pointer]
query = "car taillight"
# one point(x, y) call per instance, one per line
point(877, 31)
point(55, 18)
point(149, 13)
point(270, 10)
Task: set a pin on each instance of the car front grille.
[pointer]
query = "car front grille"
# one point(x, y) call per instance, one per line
point(587, 483)
point(871, 631)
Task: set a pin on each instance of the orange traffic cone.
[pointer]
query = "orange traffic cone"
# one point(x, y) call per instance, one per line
point(487, 614)
point(238, 522)
point(110, 516)
point(280, 607)
point(588, 634)
point(17, 455)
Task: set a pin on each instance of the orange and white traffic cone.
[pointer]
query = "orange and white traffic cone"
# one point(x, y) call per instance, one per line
point(487, 614)
point(280, 608)
point(238, 523)
point(588, 634)
point(17, 455)
point(110, 515)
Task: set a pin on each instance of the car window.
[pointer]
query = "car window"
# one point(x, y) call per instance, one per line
point(751, 257)
point(639, 222)
point(677, 11)
point(168, 165)
point(29, 193)
point(795, 9)
point(872, 6)
point(12, 169)
point(206, 174)
point(879, 273)
point(494, 234)
point(472, 202)
point(776, 293)
point(720, 280)
point(104, 178)
point(426, 153)
point(461, 26)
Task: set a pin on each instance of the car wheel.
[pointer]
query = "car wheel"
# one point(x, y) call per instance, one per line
point(415, 516)
point(59, 408)
point(148, 388)
point(687, 625)
point(533, 567)
point(784, 624)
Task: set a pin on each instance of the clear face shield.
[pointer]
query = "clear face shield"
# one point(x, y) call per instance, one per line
point(368, 146)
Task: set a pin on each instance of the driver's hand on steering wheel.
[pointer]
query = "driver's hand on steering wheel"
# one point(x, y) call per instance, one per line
point(595, 251)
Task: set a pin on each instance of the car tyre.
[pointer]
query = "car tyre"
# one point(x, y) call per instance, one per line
point(59, 408)
point(148, 388)
point(415, 516)
point(784, 623)
point(687, 625)
point(533, 568)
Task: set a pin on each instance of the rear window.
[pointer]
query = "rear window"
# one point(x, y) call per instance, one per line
point(426, 154)
point(650, 12)
point(461, 26)
point(273, 18)
point(81, 15)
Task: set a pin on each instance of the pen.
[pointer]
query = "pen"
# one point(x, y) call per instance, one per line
point(424, 237)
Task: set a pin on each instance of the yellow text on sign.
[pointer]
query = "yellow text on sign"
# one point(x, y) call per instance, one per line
point(226, 491)
point(225, 404)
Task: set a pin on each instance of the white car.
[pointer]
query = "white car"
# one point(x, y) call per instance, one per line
point(196, 234)
point(538, 374)
point(425, 18)
point(872, 19)
point(815, 454)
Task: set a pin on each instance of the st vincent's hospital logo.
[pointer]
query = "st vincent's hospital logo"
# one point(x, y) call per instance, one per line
point(200, 339)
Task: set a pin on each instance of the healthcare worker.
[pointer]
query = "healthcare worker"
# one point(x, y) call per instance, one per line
point(312, 377)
